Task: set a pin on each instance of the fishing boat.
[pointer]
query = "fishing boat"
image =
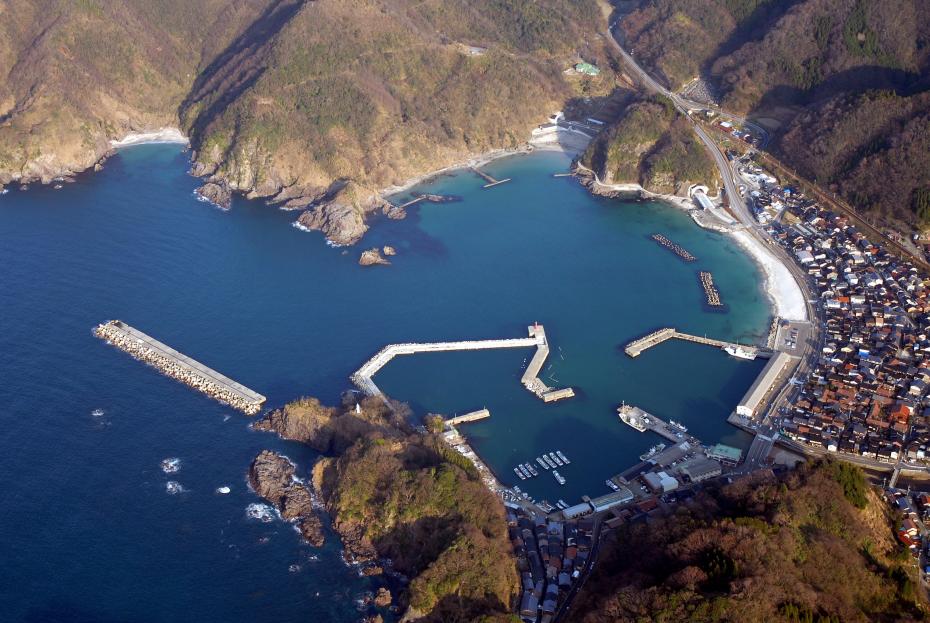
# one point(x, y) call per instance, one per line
point(559, 477)
point(610, 483)
point(654, 450)
point(549, 461)
point(564, 458)
point(519, 473)
point(541, 462)
point(556, 459)
point(532, 470)
point(740, 352)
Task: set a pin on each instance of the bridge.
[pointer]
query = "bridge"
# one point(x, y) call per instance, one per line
point(537, 337)
point(638, 346)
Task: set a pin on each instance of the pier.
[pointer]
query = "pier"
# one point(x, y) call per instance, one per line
point(491, 181)
point(430, 198)
point(474, 416)
point(641, 420)
point(638, 346)
point(180, 367)
point(537, 337)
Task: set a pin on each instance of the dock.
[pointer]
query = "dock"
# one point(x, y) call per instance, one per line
point(430, 198)
point(180, 367)
point(473, 416)
point(491, 181)
point(537, 337)
point(640, 345)
point(641, 420)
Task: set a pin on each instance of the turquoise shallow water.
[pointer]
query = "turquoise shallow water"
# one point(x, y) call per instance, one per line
point(89, 531)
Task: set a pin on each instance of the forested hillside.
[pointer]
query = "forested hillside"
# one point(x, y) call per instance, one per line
point(815, 545)
point(652, 145)
point(806, 69)
point(292, 95)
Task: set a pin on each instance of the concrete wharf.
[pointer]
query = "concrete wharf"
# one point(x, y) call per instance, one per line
point(638, 346)
point(491, 181)
point(643, 420)
point(473, 416)
point(537, 337)
point(179, 366)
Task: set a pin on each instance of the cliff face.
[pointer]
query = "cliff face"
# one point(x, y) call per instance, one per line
point(813, 545)
point(653, 146)
point(285, 99)
point(272, 477)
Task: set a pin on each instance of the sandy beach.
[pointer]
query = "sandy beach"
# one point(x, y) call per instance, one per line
point(780, 286)
point(162, 135)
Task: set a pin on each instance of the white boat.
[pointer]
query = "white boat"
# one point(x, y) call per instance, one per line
point(524, 471)
point(564, 458)
point(223, 490)
point(556, 459)
point(741, 352)
point(541, 462)
point(97, 412)
point(562, 504)
point(531, 469)
point(549, 461)
point(633, 416)
point(678, 425)
point(610, 483)
point(559, 478)
point(519, 473)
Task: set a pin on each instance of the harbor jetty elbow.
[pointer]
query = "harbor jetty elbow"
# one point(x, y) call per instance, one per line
point(180, 367)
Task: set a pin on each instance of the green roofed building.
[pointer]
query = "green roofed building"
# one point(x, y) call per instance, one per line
point(725, 454)
point(587, 68)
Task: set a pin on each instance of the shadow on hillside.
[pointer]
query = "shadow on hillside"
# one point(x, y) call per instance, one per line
point(238, 67)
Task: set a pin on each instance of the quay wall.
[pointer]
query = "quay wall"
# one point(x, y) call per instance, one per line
point(179, 366)
point(474, 416)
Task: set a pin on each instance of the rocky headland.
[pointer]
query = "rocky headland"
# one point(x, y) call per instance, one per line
point(405, 503)
point(274, 478)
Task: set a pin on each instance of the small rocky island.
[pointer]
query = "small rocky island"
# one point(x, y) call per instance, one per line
point(273, 477)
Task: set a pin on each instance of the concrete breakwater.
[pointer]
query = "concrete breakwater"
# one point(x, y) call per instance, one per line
point(675, 248)
point(179, 367)
point(710, 290)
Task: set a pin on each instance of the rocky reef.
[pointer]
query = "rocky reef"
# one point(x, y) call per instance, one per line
point(273, 477)
point(373, 257)
point(216, 192)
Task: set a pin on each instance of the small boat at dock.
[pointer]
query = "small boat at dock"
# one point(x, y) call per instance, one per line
point(532, 470)
point(654, 450)
point(549, 461)
point(562, 504)
point(610, 483)
point(519, 473)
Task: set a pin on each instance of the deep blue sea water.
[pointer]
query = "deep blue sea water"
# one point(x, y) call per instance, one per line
point(89, 532)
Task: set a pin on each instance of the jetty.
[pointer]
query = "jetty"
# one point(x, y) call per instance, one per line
point(675, 248)
point(641, 420)
point(710, 290)
point(638, 346)
point(473, 416)
point(180, 367)
point(431, 198)
point(537, 337)
point(491, 181)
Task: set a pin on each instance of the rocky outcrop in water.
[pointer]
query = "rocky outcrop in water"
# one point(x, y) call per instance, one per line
point(389, 250)
point(273, 477)
point(218, 193)
point(373, 257)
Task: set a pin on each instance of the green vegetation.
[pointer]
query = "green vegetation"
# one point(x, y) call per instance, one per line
point(653, 146)
point(813, 546)
point(413, 501)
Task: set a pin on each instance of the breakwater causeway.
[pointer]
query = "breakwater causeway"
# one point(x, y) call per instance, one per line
point(180, 367)
point(674, 247)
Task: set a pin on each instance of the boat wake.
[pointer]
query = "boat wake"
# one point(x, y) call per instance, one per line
point(174, 487)
point(261, 512)
point(171, 465)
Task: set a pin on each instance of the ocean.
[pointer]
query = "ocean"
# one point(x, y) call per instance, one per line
point(90, 531)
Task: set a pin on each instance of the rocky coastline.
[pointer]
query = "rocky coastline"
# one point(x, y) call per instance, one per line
point(273, 477)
